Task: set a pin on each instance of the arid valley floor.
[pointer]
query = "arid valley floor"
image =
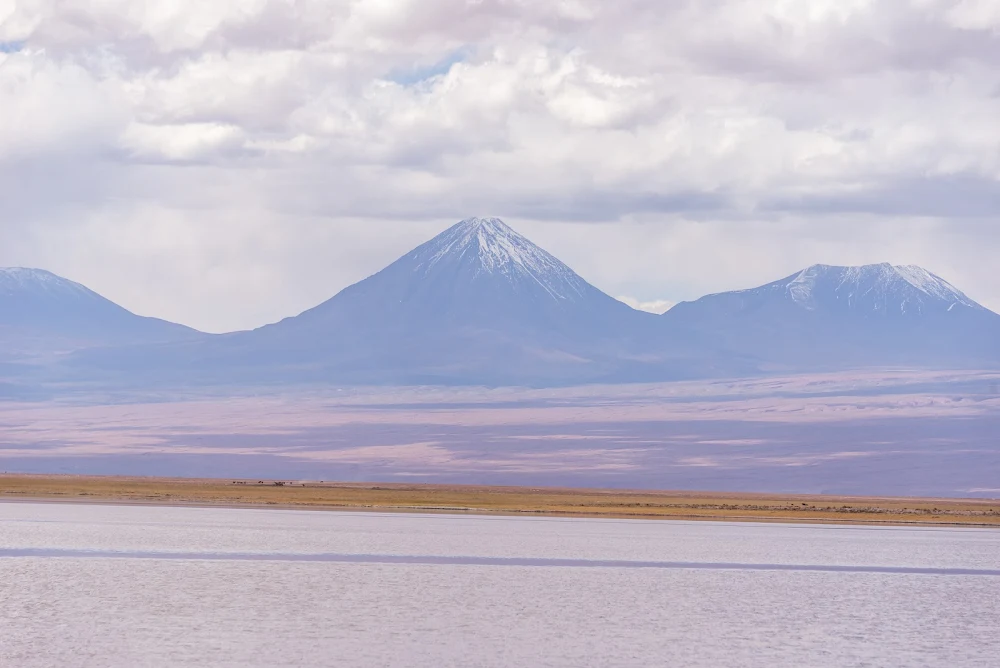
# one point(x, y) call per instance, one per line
point(904, 434)
point(501, 500)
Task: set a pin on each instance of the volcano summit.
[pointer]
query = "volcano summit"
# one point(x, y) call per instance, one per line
point(479, 303)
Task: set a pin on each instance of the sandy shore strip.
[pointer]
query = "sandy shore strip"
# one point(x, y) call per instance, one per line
point(403, 497)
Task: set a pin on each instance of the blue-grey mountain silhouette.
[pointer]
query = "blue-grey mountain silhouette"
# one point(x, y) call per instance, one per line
point(827, 317)
point(41, 313)
point(481, 304)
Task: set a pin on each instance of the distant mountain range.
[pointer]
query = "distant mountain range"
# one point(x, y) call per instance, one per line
point(481, 304)
point(42, 314)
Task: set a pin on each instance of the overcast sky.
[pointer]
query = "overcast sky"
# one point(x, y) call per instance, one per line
point(225, 164)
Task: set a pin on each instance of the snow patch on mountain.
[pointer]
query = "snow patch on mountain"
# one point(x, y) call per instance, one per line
point(803, 286)
point(877, 286)
point(933, 285)
point(42, 313)
point(14, 280)
point(869, 290)
point(499, 250)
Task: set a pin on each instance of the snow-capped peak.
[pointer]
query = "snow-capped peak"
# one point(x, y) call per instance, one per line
point(495, 248)
point(15, 280)
point(496, 244)
point(908, 288)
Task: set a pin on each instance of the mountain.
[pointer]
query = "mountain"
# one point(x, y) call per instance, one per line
point(477, 304)
point(479, 274)
point(827, 317)
point(42, 314)
point(481, 304)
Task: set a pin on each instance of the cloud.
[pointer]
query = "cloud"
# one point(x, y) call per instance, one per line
point(657, 306)
point(246, 157)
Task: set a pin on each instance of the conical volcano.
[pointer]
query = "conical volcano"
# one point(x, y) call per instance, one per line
point(479, 274)
point(477, 303)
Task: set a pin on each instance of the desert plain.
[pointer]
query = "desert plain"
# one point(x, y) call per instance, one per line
point(636, 504)
point(865, 434)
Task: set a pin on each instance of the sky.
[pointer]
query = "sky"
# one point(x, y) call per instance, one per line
point(225, 164)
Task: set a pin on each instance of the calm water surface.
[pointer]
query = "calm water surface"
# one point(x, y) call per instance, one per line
point(90, 585)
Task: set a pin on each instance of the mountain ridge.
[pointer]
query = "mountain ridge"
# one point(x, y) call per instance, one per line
point(901, 315)
point(480, 303)
point(41, 312)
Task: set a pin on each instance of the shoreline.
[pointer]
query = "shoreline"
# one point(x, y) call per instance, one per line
point(496, 500)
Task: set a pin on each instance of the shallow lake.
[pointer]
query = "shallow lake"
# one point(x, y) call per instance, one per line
point(104, 585)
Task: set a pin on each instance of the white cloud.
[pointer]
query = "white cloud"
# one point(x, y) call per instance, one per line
point(249, 156)
point(657, 306)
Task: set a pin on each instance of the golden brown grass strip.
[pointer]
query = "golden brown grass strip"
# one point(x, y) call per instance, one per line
point(508, 500)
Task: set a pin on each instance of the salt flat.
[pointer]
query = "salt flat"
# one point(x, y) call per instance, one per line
point(122, 586)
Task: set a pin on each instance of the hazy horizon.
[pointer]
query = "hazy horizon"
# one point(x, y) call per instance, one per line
point(656, 307)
